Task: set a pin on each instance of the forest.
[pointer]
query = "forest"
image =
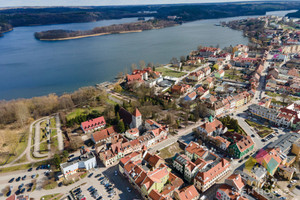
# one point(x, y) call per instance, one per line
point(113, 29)
point(184, 12)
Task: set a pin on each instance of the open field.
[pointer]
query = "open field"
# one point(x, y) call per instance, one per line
point(190, 67)
point(234, 75)
point(170, 151)
point(12, 143)
point(169, 72)
point(262, 131)
point(78, 111)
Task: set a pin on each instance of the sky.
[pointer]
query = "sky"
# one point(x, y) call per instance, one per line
point(16, 3)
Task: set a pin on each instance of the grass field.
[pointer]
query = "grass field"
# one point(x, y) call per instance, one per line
point(22, 159)
point(170, 151)
point(233, 75)
point(43, 146)
point(78, 111)
point(169, 72)
point(189, 67)
point(279, 102)
point(262, 131)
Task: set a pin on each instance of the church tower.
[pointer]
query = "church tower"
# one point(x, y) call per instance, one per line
point(137, 119)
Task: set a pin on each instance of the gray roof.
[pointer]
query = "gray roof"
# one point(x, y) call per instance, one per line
point(285, 142)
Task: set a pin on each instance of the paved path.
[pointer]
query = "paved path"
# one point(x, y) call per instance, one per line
point(27, 150)
point(59, 134)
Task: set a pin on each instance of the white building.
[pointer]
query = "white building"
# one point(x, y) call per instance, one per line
point(85, 161)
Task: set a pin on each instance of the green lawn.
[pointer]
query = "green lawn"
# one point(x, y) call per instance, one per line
point(233, 75)
point(54, 143)
point(43, 146)
point(262, 131)
point(272, 94)
point(190, 67)
point(169, 72)
point(78, 111)
point(53, 122)
point(279, 102)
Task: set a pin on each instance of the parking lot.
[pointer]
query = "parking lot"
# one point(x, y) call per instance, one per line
point(105, 184)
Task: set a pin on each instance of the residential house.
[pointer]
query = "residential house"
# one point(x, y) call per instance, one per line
point(208, 83)
point(255, 171)
point(210, 172)
point(180, 89)
point(270, 159)
point(93, 124)
point(185, 166)
point(196, 76)
point(187, 193)
point(214, 128)
point(220, 74)
point(201, 92)
point(206, 71)
point(104, 135)
point(208, 51)
point(240, 145)
point(134, 78)
point(232, 188)
point(190, 97)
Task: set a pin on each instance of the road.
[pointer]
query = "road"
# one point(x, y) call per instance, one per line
point(36, 151)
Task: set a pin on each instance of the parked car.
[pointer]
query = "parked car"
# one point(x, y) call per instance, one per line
point(98, 175)
point(18, 179)
point(30, 169)
point(11, 180)
point(90, 175)
point(33, 175)
point(116, 173)
point(128, 189)
point(24, 177)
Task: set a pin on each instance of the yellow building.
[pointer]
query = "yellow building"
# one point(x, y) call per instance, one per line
point(296, 149)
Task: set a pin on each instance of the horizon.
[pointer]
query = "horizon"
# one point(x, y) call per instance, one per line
point(54, 3)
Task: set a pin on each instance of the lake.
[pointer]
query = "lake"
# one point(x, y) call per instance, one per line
point(29, 67)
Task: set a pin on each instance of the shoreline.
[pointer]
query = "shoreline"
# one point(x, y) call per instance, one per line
point(91, 35)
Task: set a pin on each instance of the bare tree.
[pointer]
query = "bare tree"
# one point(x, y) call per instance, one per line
point(133, 67)
point(22, 113)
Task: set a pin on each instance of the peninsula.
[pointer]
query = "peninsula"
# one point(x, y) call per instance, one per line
point(139, 26)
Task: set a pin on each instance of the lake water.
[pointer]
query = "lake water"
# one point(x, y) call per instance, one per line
point(29, 67)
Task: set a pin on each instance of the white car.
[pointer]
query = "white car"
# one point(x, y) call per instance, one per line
point(128, 189)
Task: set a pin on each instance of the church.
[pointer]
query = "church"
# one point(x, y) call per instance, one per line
point(133, 120)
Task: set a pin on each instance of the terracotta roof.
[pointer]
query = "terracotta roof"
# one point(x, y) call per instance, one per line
point(231, 194)
point(127, 158)
point(134, 77)
point(195, 148)
point(237, 181)
point(105, 133)
point(212, 126)
point(187, 193)
point(152, 159)
point(137, 113)
point(244, 143)
point(93, 123)
point(208, 174)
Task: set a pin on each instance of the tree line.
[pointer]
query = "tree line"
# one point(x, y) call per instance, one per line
point(112, 29)
point(22, 111)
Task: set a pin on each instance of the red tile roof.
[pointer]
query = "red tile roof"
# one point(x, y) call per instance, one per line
point(137, 113)
point(105, 133)
point(93, 123)
point(187, 193)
